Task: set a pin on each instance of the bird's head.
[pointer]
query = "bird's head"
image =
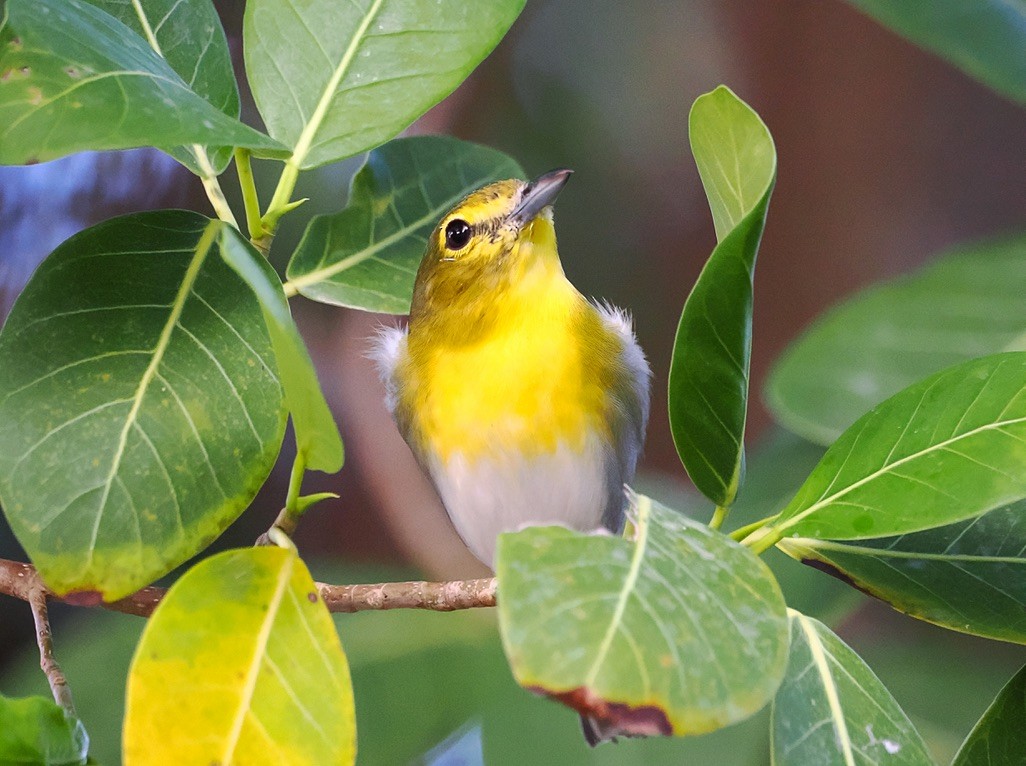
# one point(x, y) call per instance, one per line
point(487, 242)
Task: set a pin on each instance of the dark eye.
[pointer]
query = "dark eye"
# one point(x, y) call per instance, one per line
point(457, 234)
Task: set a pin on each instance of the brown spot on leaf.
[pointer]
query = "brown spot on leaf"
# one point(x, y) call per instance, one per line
point(312, 598)
point(84, 598)
point(833, 571)
point(614, 718)
point(73, 72)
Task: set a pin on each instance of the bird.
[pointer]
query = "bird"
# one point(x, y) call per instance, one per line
point(524, 402)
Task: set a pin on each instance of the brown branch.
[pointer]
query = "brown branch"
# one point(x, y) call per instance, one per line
point(37, 594)
point(20, 581)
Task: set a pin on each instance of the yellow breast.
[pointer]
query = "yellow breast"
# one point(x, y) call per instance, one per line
point(538, 375)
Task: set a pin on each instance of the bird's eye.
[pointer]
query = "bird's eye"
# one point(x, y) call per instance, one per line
point(457, 234)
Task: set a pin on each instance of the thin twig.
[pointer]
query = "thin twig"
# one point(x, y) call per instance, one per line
point(37, 596)
point(17, 580)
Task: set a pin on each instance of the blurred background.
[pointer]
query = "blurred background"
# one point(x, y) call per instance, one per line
point(886, 156)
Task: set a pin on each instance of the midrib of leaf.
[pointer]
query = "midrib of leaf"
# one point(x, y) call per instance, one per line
point(150, 37)
point(808, 544)
point(191, 273)
point(888, 467)
point(320, 112)
point(327, 272)
point(644, 506)
point(259, 648)
point(822, 664)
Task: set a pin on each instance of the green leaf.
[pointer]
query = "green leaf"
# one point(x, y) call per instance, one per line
point(367, 255)
point(35, 730)
point(241, 664)
point(984, 38)
point(969, 576)
point(333, 79)
point(708, 384)
point(188, 34)
point(997, 739)
point(949, 448)
point(317, 436)
point(832, 709)
point(966, 304)
point(73, 78)
point(140, 411)
point(680, 631)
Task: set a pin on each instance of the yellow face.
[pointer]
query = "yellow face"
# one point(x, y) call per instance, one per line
point(487, 242)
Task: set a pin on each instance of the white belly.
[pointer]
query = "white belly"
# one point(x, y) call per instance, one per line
point(508, 492)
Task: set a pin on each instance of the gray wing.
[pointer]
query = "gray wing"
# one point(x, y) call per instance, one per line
point(628, 415)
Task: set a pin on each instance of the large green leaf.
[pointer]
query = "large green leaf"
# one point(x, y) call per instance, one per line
point(188, 34)
point(35, 730)
point(831, 708)
point(656, 635)
point(946, 449)
point(140, 408)
point(708, 384)
point(332, 79)
point(367, 255)
point(317, 436)
point(241, 664)
point(998, 739)
point(969, 576)
point(73, 78)
point(966, 304)
point(984, 38)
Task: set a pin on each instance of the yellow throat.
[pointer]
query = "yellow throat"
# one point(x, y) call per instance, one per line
point(504, 354)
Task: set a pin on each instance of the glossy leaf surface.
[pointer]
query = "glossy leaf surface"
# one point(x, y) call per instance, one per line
point(832, 709)
point(241, 664)
point(984, 38)
point(74, 78)
point(367, 255)
point(708, 385)
point(188, 34)
point(966, 304)
point(946, 449)
point(969, 576)
point(998, 738)
point(317, 435)
point(35, 730)
point(140, 411)
point(333, 79)
point(656, 635)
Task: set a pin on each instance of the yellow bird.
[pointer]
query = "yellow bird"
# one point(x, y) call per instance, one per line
point(524, 402)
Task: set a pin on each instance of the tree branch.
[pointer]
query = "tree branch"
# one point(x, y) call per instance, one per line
point(21, 581)
point(36, 597)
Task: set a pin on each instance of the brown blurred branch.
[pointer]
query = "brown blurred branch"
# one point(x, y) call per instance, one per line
point(21, 581)
point(36, 595)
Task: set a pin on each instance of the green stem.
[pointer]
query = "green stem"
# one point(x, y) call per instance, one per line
point(763, 539)
point(281, 202)
point(213, 189)
point(295, 484)
point(244, 168)
point(289, 516)
point(741, 533)
point(718, 516)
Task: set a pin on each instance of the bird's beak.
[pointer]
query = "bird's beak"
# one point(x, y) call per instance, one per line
point(539, 194)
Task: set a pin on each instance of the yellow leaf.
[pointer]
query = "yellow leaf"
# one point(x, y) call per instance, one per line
point(241, 664)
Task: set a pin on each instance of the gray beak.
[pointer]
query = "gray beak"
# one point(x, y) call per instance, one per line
point(540, 193)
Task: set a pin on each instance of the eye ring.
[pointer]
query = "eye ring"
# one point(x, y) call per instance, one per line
point(457, 234)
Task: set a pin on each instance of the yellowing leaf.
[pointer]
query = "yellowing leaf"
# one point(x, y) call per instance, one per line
point(241, 664)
